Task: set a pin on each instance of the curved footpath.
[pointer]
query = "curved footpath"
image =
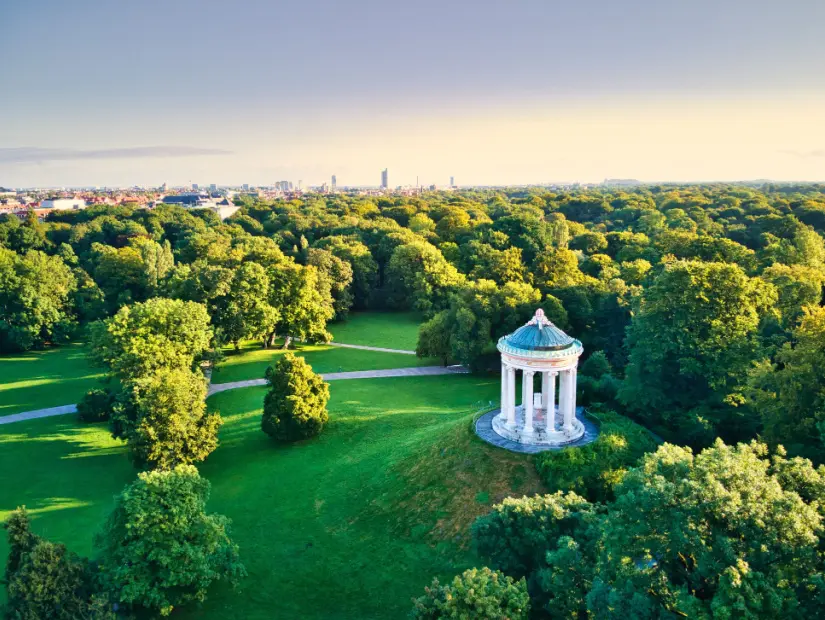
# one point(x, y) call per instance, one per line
point(222, 387)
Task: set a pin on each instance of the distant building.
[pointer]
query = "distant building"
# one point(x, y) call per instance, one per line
point(195, 187)
point(452, 181)
point(334, 182)
point(246, 187)
point(384, 179)
point(213, 187)
point(165, 187)
point(622, 182)
point(63, 204)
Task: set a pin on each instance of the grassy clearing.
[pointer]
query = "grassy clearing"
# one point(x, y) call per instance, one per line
point(349, 525)
point(252, 360)
point(390, 330)
point(39, 379)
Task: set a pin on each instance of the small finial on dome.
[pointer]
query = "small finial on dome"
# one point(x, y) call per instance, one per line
point(539, 319)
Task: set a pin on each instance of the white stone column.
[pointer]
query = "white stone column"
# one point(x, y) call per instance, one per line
point(573, 375)
point(511, 397)
point(527, 399)
point(569, 396)
point(503, 390)
point(550, 400)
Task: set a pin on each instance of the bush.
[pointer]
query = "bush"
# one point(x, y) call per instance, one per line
point(160, 549)
point(593, 470)
point(96, 405)
point(296, 405)
point(476, 593)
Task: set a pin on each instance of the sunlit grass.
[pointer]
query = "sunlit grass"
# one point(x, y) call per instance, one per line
point(40, 379)
point(390, 330)
point(334, 527)
point(252, 360)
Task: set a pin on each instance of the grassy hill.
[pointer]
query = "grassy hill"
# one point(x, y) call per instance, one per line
point(349, 525)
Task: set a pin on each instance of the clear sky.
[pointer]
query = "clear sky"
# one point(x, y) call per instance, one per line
point(104, 92)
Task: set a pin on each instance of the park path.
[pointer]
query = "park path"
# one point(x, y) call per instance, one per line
point(419, 371)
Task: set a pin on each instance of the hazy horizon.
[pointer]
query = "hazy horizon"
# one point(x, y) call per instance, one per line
point(493, 94)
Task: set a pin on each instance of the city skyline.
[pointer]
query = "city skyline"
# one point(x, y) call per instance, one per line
point(713, 91)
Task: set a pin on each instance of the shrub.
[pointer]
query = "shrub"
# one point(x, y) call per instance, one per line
point(296, 405)
point(96, 405)
point(593, 470)
point(160, 549)
point(476, 593)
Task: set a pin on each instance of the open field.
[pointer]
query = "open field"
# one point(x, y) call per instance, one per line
point(349, 525)
point(390, 330)
point(252, 360)
point(38, 379)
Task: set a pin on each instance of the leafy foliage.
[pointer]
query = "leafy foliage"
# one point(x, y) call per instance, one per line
point(35, 300)
point(145, 337)
point(594, 469)
point(45, 580)
point(160, 549)
point(476, 593)
point(96, 405)
point(296, 405)
point(163, 417)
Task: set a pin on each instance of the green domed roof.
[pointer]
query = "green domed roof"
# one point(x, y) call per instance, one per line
point(539, 338)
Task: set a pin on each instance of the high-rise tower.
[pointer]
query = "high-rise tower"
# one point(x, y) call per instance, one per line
point(384, 179)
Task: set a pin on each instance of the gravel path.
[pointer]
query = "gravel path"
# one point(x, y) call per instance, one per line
point(222, 387)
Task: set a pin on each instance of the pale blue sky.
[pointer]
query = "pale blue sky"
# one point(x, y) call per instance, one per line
point(103, 92)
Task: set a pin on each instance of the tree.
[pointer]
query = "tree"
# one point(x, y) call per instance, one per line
point(303, 310)
point(476, 593)
point(730, 532)
point(148, 336)
point(479, 314)
point(692, 340)
point(797, 286)
point(35, 300)
point(160, 549)
point(244, 310)
point(516, 536)
point(420, 277)
point(163, 418)
point(44, 580)
point(295, 407)
point(335, 274)
point(790, 395)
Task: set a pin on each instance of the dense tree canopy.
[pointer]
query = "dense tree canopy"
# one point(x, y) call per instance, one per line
point(158, 559)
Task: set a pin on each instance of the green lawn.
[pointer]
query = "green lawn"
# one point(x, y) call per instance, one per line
point(38, 379)
point(348, 525)
point(252, 361)
point(390, 330)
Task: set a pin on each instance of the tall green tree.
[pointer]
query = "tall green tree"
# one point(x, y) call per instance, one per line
point(295, 407)
point(145, 337)
point(160, 549)
point(35, 300)
point(790, 394)
point(692, 341)
point(244, 310)
point(303, 310)
point(163, 418)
